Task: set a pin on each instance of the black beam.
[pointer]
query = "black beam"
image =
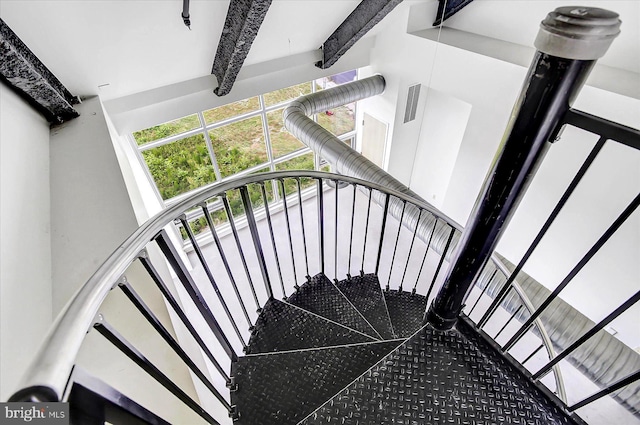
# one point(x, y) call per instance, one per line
point(364, 17)
point(241, 26)
point(569, 42)
point(30, 78)
point(448, 8)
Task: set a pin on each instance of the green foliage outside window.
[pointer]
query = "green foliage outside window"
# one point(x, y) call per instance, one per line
point(165, 130)
point(288, 93)
point(231, 110)
point(282, 142)
point(303, 162)
point(339, 120)
point(239, 146)
point(180, 166)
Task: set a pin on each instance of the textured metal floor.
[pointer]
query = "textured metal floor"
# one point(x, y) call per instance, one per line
point(406, 311)
point(365, 294)
point(427, 377)
point(439, 378)
point(283, 327)
point(283, 388)
point(320, 296)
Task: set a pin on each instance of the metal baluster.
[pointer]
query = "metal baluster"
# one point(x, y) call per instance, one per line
point(286, 216)
point(594, 249)
point(155, 276)
point(236, 237)
point(532, 354)
point(424, 259)
point(382, 229)
point(444, 254)
point(545, 227)
point(335, 236)
point(142, 307)
point(321, 224)
point(353, 214)
point(172, 256)
point(608, 390)
point(196, 248)
point(304, 233)
point(483, 292)
point(366, 231)
point(113, 336)
point(508, 321)
point(255, 236)
point(273, 238)
point(413, 239)
point(584, 338)
point(395, 248)
point(223, 257)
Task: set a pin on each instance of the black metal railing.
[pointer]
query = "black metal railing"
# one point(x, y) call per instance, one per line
point(607, 132)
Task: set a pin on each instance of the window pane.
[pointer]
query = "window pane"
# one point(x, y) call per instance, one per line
point(231, 110)
point(285, 94)
point(335, 80)
point(239, 146)
point(282, 142)
point(180, 166)
point(302, 162)
point(339, 120)
point(167, 129)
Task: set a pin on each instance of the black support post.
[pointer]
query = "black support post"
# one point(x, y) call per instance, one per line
point(569, 42)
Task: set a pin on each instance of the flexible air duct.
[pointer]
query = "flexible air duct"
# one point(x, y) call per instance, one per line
point(347, 161)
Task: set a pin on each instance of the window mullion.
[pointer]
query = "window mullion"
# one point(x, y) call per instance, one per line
point(212, 154)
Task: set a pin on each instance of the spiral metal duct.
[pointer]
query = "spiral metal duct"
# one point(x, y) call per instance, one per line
point(347, 161)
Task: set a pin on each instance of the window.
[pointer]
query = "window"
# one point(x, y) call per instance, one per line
point(235, 139)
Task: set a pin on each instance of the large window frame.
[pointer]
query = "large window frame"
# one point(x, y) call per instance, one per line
point(271, 163)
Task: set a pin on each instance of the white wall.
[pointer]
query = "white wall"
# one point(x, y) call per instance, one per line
point(490, 86)
point(91, 213)
point(25, 249)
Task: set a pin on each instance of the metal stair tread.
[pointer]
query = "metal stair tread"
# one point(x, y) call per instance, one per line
point(438, 377)
point(406, 311)
point(283, 327)
point(320, 296)
point(283, 388)
point(365, 294)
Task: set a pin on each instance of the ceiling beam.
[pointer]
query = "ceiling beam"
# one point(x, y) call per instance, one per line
point(448, 8)
point(241, 26)
point(364, 17)
point(29, 77)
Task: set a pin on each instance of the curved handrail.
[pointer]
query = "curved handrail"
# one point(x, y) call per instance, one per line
point(46, 377)
point(543, 333)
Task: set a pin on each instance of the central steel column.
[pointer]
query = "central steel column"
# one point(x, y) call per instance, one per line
point(569, 42)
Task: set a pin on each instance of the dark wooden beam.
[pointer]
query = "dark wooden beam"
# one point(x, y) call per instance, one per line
point(241, 26)
point(364, 17)
point(448, 8)
point(29, 77)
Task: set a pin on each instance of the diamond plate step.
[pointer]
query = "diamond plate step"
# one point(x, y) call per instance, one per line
point(282, 327)
point(406, 311)
point(283, 388)
point(320, 296)
point(441, 378)
point(365, 294)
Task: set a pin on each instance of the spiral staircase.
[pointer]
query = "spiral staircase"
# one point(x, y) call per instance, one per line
point(351, 353)
point(320, 298)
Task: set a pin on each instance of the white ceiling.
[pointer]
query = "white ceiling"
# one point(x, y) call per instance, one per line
point(136, 45)
point(518, 21)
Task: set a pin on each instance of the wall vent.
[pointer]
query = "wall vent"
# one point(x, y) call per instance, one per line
point(412, 103)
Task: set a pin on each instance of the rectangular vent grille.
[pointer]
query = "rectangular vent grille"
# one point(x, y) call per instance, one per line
point(412, 103)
